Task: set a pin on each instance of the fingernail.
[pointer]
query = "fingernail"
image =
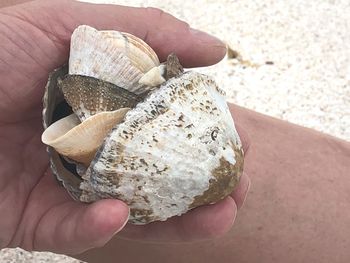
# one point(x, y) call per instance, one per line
point(126, 221)
point(246, 191)
point(208, 39)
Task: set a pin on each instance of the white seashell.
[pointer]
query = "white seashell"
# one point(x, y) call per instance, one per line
point(176, 150)
point(80, 141)
point(154, 77)
point(140, 54)
point(115, 57)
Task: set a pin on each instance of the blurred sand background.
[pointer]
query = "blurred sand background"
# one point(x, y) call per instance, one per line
point(293, 63)
point(294, 56)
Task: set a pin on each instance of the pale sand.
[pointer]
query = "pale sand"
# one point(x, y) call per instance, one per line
point(307, 41)
point(308, 83)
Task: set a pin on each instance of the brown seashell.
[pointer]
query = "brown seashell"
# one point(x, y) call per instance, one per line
point(88, 96)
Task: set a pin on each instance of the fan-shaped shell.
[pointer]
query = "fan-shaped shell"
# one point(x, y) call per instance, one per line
point(176, 150)
point(115, 57)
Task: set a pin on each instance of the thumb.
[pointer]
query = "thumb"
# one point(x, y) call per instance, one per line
point(80, 227)
point(164, 33)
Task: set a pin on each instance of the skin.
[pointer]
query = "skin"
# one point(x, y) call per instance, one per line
point(39, 213)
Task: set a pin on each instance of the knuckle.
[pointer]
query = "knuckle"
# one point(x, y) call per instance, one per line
point(155, 13)
point(165, 18)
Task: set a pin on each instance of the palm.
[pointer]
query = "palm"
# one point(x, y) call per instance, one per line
point(34, 202)
point(40, 214)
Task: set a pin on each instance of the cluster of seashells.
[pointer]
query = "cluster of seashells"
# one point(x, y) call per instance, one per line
point(119, 124)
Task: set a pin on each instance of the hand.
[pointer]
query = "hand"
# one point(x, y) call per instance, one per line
point(38, 214)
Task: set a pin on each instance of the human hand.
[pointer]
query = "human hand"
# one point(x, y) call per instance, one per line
point(40, 215)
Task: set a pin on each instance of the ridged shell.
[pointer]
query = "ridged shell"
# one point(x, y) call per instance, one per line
point(175, 151)
point(88, 96)
point(54, 108)
point(115, 57)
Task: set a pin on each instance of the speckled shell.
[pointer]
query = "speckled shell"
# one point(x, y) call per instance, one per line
point(175, 151)
point(89, 96)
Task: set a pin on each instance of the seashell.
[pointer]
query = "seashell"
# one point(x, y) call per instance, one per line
point(80, 141)
point(158, 75)
point(115, 57)
point(175, 149)
point(88, 96)
point(55, 108)
point(154, 77)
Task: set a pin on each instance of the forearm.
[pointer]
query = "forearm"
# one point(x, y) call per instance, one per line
point(297, 210)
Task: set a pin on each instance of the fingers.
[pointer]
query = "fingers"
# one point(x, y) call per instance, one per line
point(57, 223)
point(163, 32)
point(241, 191)
point(73, 228)
point(201, 223)
point(5, 3)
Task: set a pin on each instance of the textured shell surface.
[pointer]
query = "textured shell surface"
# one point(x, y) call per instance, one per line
point(112, 56)
point(174, 151)
point(89, 96)
point(52, 111)
point(173, 148)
